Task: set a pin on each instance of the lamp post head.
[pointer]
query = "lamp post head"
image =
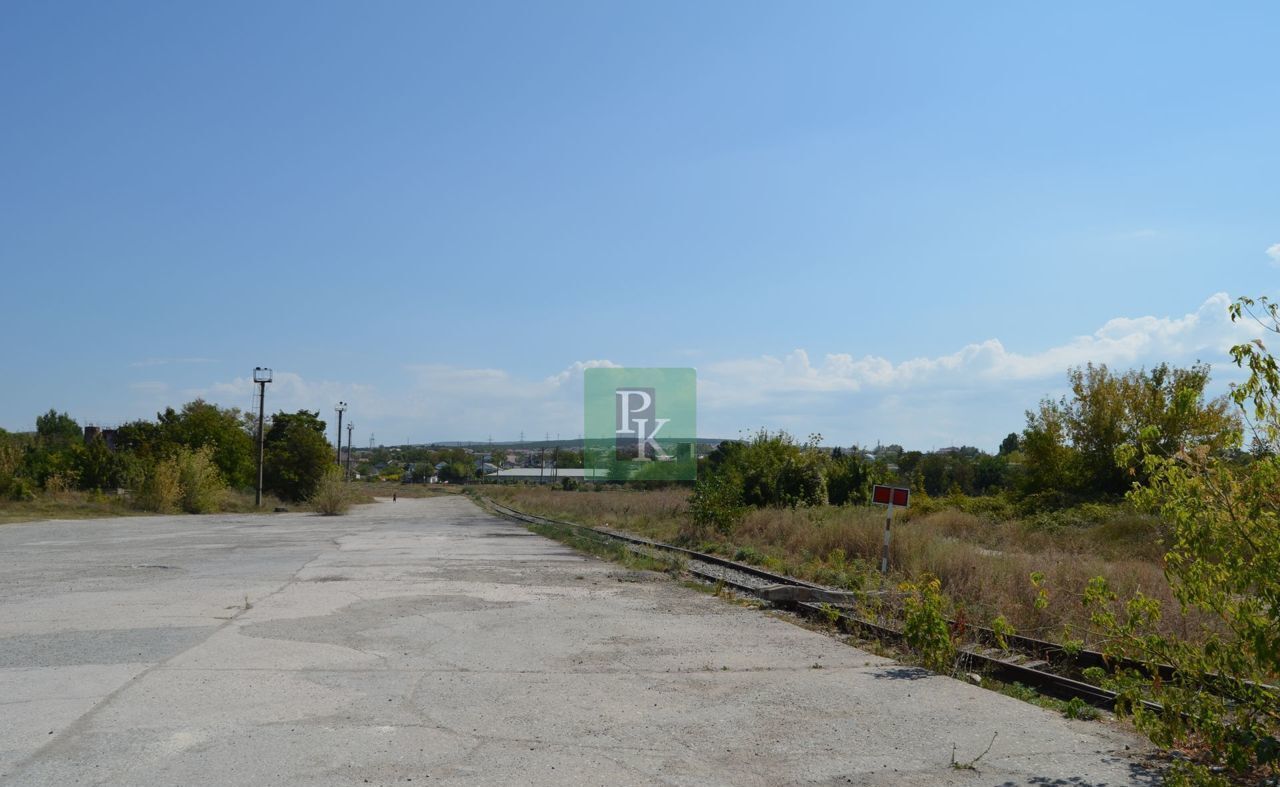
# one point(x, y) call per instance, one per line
point(261, 374)
point(341, 407)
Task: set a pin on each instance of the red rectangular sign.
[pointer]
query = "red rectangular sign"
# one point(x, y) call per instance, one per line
point(898, 494)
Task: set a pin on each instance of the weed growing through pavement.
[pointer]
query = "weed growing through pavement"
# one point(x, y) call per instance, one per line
point(971, 765)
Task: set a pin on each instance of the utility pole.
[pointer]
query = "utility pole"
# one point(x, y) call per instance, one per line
point(350, 427)
point(341, 408)
point(261, 376)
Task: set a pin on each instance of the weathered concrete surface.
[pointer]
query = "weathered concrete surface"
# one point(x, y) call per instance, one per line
point(424, 640)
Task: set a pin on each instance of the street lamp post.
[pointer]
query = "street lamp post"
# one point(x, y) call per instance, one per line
point(341, 408)
point(261, 376)
point(350, 426)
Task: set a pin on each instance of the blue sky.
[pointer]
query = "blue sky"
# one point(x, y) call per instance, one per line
point(895, 222)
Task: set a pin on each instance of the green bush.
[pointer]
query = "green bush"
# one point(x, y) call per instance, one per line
point(21, 490)
point(199, 480)
point(186, 481)
point(333, 495)
point(925, 624)
point(716, 505)
point(161, 489)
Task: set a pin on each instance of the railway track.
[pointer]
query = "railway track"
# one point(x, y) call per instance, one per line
point(1045, 666)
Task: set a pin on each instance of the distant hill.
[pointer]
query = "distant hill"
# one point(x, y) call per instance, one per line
point(573, 444)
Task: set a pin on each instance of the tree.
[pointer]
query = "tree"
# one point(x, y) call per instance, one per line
point(1070, 445)
point(457, 471)
point(141, 438)
point(1051, 468)
point(567, 458)
point(98, 466)
point(296, 455)
point(772, 470)
point(57, 430)
point(10, 459)
point(200, 423)
point(850, 478)
point(1010, 444)
point(53, 459)
point(1223, 561)
point(990, 473)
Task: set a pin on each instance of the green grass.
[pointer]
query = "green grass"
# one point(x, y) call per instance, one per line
point(1075, 708)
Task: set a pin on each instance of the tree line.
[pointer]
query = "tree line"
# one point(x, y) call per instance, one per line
point(184, 459)
point(1087, 446)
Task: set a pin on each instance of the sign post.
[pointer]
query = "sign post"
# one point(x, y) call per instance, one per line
point(889, 496)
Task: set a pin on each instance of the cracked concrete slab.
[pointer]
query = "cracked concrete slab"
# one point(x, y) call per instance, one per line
point(426, 641)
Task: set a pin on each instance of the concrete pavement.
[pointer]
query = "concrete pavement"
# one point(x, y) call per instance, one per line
point(425, 641)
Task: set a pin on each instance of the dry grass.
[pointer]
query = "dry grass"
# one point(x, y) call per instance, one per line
point(97, 505)
point(656, 514)
point(985, 566)
point(372, 489)
point(65, 505)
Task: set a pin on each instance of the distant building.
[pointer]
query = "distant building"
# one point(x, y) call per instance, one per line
point(108, 436)
point(548, 475)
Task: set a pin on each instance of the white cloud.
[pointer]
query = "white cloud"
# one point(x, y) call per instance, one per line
point(1274, 253)
point(975, 394)
point(435, 402)
point(287, 391)
point(1122, 341)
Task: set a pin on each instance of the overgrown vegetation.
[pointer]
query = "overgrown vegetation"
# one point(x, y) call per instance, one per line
point(333, 495)
point(925, 625)
point(985, 566)
point(199, 459)
point(1223, 561)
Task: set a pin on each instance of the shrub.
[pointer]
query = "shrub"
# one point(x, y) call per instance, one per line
point(333, 496)
point(716, 504)
point(1002, 630)
point(160, 490)
point(186, 481)
point(925, 624)
point(21, 490)
point(199, 480)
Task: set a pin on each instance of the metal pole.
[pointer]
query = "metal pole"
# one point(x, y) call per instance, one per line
point(888, 522)
point(339, 441)
point(350, 427)
point(262, 395)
